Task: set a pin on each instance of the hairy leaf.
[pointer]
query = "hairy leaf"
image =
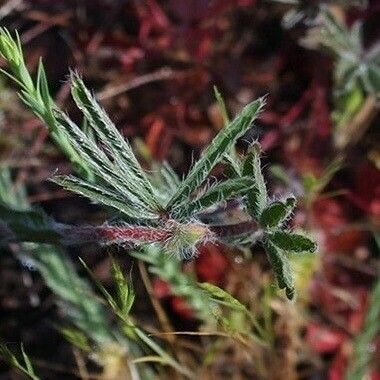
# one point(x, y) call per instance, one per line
point(119, 148)
point(258, 197)
point(220, 192)
point(282, 270)
point(26, 225)
point(277, 212)
point(104, 196)
point(101, 164)
point(221, 144)
point(291, 242)
point(231, 158)
point(37, 97)
point(74, 294)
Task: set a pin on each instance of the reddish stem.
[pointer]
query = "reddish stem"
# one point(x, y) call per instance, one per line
point(114, 234)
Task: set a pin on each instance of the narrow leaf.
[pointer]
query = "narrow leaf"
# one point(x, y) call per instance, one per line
point(104, 196)
point(107, 296)
point(222, 105)
point(214, 153)
point(258, 197)
point(125, 292)
point(221, 295)
point(290, 242)
point(223, 191)
point(281, 268)
point(120, 148)
point(98, 161)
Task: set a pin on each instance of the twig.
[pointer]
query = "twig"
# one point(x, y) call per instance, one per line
point(163, 318)
point(164, 73)
point(10, 6)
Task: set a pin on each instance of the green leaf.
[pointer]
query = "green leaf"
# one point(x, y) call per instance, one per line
point(214, 153)
point(42, 86)
point(222, 105)
point(258, 197)
point(36, 97)
point(10, 358)
point(104, 196)
point(362, 358)
point(223, 191)
point(374, 78)
point(76, 338)
point(277, 212)
point(281, 268)
point(125, 293)
point(78, 302)
point(26, 225)
point(102, 166)
point(119, 148)
point(291, 242)
point(107, 296)
point(222, 296)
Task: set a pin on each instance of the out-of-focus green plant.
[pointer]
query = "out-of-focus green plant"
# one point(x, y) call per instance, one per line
point(26, 368)
point(356, 66)
point(36, 95)
point(364, 345)
point(86, 323)
point(121, 303)
point(75, 297)
point(356, 74)
point(307, 11)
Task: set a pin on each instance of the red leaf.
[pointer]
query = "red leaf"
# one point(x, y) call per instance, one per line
point(181, 307)
point(211, 265)
point(338, 367)
point(324, 339)
point(161, 288)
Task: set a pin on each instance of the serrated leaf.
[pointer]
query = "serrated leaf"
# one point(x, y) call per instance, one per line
point(281, 268)
point(291, 242)
point(214, 153)
point(277, 212)
point(257, 198)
